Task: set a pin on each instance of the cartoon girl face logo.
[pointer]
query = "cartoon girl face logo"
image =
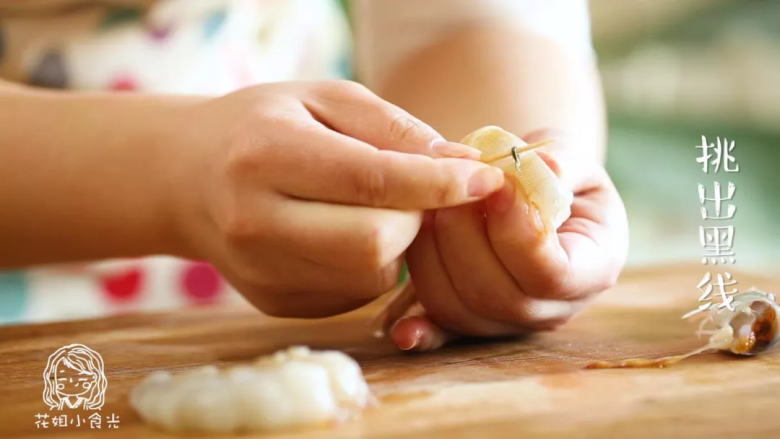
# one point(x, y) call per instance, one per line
point(74, 378)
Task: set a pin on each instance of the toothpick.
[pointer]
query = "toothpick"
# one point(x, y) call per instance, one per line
point(517, 150)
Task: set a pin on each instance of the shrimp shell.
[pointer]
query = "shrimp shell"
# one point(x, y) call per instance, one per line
point(749, 329)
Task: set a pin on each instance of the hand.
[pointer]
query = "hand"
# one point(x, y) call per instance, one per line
point(488, 268)
point(306, 195)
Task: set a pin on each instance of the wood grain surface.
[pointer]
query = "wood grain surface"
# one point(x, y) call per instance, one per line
point(529, 387)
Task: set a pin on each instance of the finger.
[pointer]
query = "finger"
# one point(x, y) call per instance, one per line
point(334, 168)
point(355, 111)
point(551, 161)
point(437, 294)
point(596, 238)
point(338, 236)
point(299, 289)
point(483, 283)
point(416, 332)
point(302, 304)
point(293, 274)
point(396, 304)
point(571, 264)
point(558, 153)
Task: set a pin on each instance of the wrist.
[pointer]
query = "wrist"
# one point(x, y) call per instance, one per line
point(141, 161)
point(171, 178)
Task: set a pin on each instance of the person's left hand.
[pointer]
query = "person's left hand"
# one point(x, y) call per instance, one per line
point(488, 269)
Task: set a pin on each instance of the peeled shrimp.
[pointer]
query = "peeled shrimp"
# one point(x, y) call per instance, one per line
point(750, 328)
point(544, 189)
point(291, 388)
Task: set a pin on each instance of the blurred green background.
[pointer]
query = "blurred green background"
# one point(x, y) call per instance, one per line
point(672, 72)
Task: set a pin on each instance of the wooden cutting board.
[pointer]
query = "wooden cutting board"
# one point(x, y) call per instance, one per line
point(533, 387)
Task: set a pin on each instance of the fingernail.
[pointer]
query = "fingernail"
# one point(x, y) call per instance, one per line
point(485, 181)
point(500, 202)
point(411, 346)
point(415, 340)
point(455, 150)
point(426, 340)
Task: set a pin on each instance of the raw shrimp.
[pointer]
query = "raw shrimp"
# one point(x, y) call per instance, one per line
point(749, 329)
point(291, 388)
point(544, 189)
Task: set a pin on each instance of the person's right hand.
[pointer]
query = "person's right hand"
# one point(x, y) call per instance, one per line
point(305, 196)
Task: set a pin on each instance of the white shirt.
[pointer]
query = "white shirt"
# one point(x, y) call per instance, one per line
point(388, 31)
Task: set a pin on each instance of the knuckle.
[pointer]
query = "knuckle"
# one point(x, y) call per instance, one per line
point(252, 278)
point(353, 86)
point(387, 278)
point(484, 302)
point(262, 296)
point(403, 127)
point(237, 225)
point(242, 156)
point(377, 246)
point(344, 86)
point(250, 134)
point(371, 186)
point(377, 188)
point(440, 193)
point(552, 280)
point(553, 286)
point(249, 152)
